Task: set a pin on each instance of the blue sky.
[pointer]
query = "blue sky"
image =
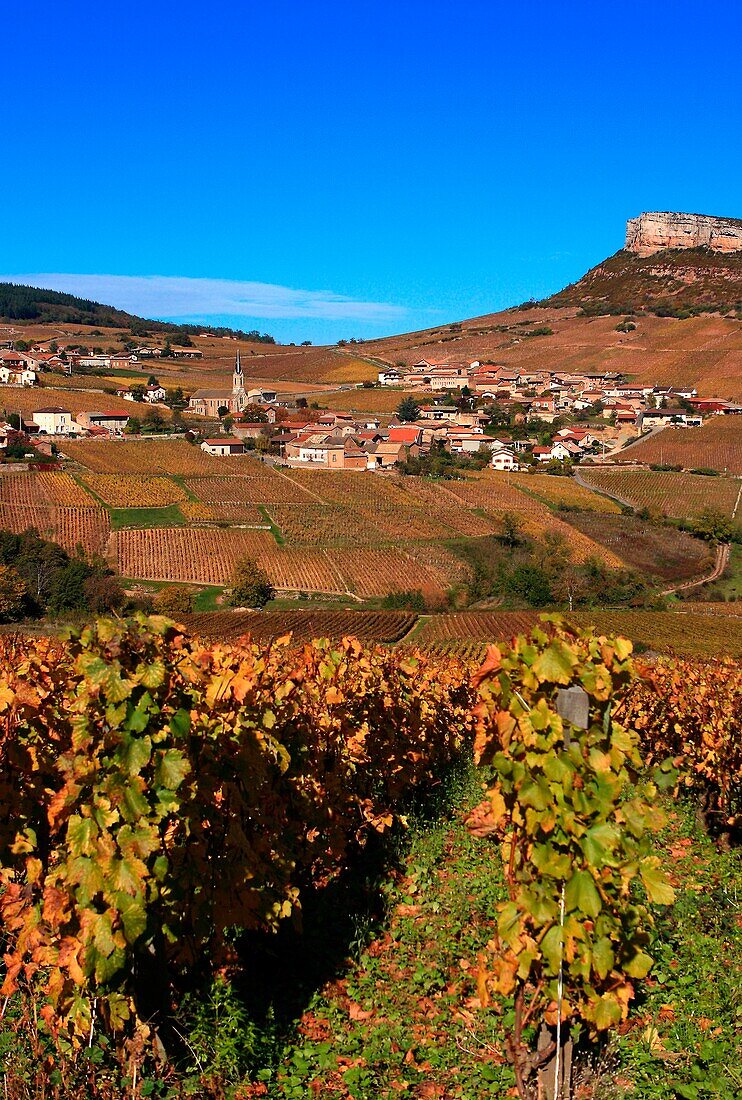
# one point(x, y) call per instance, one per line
point(328, 170)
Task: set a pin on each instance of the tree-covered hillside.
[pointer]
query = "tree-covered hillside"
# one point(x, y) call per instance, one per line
point(33, 305)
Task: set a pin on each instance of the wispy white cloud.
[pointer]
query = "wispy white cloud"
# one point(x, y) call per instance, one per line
point(180, 298)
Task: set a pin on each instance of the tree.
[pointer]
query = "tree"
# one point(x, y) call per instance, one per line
point(531, 584)
point(511, 535)
point(153, 421)
point(152, 380)
point(222, 411)
point(256, 414)
point(137, 392)
point(250, 586)
point(103, 593)
point(133, 426)
point(408, 409)
point(173, 601)
point(54, 347)
point(13, 595)
point(67, 588)
point(713, 526)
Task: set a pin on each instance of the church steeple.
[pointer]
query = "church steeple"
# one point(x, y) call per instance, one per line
point(238, 380)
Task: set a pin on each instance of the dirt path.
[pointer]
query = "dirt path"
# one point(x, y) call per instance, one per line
point(722, 560)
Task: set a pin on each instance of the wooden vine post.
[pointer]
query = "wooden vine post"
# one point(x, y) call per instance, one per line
point(574, 816)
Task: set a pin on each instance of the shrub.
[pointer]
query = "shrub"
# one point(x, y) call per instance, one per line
point(250, 586)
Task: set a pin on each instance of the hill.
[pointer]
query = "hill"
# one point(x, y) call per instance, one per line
point(685, 304)
point(34, 305)
point(703, 350)
point(677, 282)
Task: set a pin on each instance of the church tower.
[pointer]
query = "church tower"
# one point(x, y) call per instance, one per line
point(238, 380)
point(239, 397)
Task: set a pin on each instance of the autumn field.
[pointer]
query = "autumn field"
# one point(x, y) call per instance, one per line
point(717, 444)
point(679, 495)
point(182, 515)
point(26, 400)
point(655, 549)
point(384, 627)
point(686, 633)
point(692, 630)
point(705, 351)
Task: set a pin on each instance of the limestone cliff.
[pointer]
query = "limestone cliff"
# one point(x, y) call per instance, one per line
point(650, 233)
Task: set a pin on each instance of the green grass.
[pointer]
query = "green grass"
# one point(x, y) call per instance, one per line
point(319, 602)
point(275, 529)
point(405, 1011)
point(206, 600)
point(171, 516)
point(180, 480)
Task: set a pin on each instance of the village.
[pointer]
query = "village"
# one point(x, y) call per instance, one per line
point(508, 418)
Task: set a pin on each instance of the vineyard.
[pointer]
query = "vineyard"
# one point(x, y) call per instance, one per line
point(687, 634)
point(151, 456)
point(302, 571)
point(717, 444)
point(237, 514)
point(497, 495)
point(70, 527)
point(653, 549)
point(665, 493)
point(262, 486)
point(200, 556)
point(562, 490)
point(382, 627)
point(129, 491)
point(369, 572)
point(44, 488)
point(203, 815)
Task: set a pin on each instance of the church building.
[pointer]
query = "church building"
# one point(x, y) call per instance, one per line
point(209, 402)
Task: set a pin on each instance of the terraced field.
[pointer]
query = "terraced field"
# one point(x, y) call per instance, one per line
point(687, 634)
point(717, 444)
point(665, 493)
point(303, 625)
point(70, 527)
point(152, 456)
point(130, 491)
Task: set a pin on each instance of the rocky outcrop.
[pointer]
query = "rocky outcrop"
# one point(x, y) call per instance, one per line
point(651, 233)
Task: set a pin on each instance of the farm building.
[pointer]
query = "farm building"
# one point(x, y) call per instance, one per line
point(223, 446)
point(113, 422)
point(54, 420)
